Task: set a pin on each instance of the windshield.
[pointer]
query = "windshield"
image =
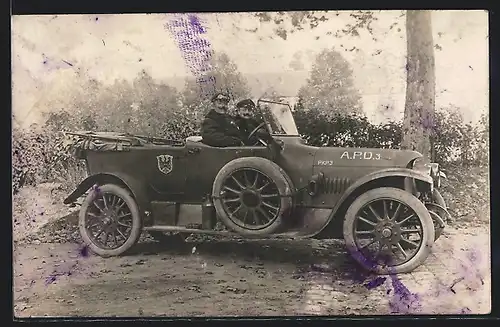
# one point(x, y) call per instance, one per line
point(279, 118)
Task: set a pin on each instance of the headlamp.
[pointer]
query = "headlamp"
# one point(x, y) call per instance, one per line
point(422, 166)
point(429, 168)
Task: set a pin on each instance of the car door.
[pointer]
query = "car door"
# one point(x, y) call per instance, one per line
point(165, 171)
point(204, 163)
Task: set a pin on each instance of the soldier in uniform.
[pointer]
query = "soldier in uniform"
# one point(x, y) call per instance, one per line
point(246, 121)
point(218, 128)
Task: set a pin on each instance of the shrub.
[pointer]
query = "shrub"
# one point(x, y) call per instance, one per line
point(40, 157)
point(319, 129)
point(455, 142)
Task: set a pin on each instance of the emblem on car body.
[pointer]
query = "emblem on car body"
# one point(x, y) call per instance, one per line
point(165, 163)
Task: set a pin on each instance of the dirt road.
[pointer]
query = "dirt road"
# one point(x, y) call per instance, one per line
point(235, 278)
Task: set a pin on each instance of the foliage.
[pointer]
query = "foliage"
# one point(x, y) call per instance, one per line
point(223, 76)
point(352, 130)
point(455, 141)
point(331, 86)
point(142, 107)
point(300, 20)
point(39, 157)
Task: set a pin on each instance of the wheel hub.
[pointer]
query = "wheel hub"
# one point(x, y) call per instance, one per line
point(386, 232)
point(250, 198)
point(110, 217)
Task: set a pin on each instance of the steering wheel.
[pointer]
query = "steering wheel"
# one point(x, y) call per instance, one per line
point(255, 130)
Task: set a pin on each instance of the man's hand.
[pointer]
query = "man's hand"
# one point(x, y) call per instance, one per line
point(264, 135)
point(262, 132)
point(238, 141)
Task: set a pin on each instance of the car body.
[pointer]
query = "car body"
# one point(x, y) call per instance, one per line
point(171, 186)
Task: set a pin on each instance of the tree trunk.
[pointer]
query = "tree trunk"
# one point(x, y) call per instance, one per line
point(420, 83)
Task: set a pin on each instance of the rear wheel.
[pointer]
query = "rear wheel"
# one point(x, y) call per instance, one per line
point(109, 220)
point(388, 230)
point(252, 195)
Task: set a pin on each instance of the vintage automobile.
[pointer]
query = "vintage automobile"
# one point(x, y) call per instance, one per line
point(385, 203)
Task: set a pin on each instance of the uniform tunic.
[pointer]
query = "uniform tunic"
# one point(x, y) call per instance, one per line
point(220, 130)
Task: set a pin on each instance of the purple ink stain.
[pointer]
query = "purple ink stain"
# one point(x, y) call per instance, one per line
point(195, 23)
point(466, 310)
point(51, 279)
point(473, 256)
point(402, 300)
point(51, 64)
point(84, 251)
point(375, 283)
point(69, 271)
point(96, 189)
point(188, 31)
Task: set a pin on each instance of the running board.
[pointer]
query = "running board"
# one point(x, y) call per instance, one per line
point(288, 235)
point(188, 230)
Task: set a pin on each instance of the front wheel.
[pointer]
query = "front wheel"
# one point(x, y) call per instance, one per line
point(388, 231)
point(109, 220)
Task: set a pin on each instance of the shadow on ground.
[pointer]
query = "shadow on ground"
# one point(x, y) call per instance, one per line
point(326, 256)
point(309, 255)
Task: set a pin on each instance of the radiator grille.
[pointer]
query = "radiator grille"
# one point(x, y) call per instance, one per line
point(335, 185)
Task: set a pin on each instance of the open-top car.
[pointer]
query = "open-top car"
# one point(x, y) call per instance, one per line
point(385, 203)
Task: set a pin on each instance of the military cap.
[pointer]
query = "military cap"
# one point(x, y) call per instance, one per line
point(220, 96)
point(247, 103)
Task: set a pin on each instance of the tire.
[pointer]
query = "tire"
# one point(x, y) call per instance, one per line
point(267, 170)
point(438, 231)
point(135, 227)
point(438, 198)
point(438, 216)
point(396, 195)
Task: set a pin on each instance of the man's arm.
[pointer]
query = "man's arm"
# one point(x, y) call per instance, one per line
point(212, 135)
point(263, 133)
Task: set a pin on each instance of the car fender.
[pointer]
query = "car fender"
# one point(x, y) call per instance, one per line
point(388, 172)
point(133, 185)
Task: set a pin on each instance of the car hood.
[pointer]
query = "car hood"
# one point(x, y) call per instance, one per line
point(364, 157)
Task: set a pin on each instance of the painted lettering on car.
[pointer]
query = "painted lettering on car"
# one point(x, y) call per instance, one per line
point(325, 163)
point(360, 155)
